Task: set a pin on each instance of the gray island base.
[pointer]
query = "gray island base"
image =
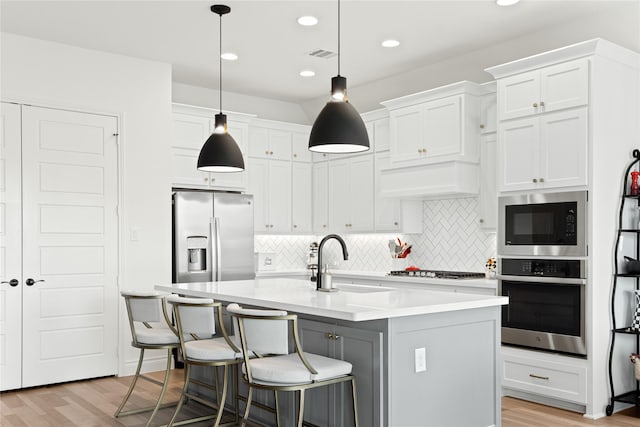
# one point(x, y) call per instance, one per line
point(420, 358)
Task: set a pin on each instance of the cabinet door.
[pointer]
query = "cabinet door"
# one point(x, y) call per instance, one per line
point(10, 248)
point(258, 186)
point(301, 197)
point(360, 199)
point(563, 148)
point(488, 110)
point(387, 210)
point(381, 134)
point(279, 144)
point(315, 338)
point(518, 94)
point(363, 349)
point(300, 148)
point(321, 197)
point(406, 125)
point(233, 180)
point(520, 150)
point(279, 203)
point(188, 135)
point(258, 142)
point(339, 192)
point(442, 127)
point(488, 198)
point(564, 85)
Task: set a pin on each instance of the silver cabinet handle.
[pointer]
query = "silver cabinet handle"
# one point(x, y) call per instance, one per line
point(542, 103)
point(535, 105)
point(539, 377)
point(541, 179)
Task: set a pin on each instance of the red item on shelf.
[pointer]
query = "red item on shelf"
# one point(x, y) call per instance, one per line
point(634, 183)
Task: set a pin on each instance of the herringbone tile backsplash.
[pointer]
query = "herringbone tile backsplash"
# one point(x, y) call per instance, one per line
point(451, 240)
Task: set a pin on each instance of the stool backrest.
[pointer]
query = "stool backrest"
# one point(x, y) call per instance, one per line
point(195, 317)
point(148, 308)
point(264, 331)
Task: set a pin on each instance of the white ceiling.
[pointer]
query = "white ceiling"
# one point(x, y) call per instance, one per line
point(273, 48)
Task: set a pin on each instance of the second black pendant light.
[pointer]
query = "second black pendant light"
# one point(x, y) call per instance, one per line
point(220, 153)
point(338, 128)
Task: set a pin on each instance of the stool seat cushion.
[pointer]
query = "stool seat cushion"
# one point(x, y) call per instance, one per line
point(156, 335)
point(289, 369)
point(211, 349)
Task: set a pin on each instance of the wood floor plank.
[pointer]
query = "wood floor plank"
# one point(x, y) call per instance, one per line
point(92, 403)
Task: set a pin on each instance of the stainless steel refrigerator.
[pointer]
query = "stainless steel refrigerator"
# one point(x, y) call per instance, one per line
point(212, 236)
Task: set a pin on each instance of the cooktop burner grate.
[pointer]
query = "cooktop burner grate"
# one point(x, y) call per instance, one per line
point(439, 274)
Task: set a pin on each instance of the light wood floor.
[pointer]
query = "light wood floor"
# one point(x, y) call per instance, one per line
point(92, 403)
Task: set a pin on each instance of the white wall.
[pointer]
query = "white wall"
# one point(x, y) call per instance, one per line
point(264, 108)
point(620, 26)
point(55, 75)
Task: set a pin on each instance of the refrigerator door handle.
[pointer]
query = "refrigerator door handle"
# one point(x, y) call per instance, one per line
point(216, 240)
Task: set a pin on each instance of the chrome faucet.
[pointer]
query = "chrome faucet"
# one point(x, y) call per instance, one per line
point(345, 255)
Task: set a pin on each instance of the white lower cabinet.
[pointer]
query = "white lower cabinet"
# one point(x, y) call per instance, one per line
point(270, 184)
point(363, 349)
point(549, 376)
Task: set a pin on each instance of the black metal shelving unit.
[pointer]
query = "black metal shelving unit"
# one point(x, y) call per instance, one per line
point(633, 396)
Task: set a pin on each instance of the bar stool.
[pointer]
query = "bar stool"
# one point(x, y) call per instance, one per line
point(264, 334)
point(195, 320)
point(151, 329)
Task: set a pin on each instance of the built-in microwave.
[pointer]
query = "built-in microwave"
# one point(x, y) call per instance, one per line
point(543, 224)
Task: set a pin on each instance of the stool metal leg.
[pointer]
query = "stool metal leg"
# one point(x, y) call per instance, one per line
point(187, 376)
point(355, 402)
point(164, 388)
point(275, 395)
point(133, 384)
point(246, 411)
point(301, 410)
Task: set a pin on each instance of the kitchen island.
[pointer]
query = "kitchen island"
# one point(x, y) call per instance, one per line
point(420, 358)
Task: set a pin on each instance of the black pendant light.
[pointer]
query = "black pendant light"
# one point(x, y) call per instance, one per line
point(220, 153)
point(338, 128)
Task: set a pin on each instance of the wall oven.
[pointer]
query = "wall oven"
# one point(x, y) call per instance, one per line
point(543, 224)
point(546, 304)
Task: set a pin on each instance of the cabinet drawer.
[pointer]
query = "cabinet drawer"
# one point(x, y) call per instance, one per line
point(550, 379)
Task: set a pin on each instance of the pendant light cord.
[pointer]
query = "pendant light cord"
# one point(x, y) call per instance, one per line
point(338, 37)
point(220, 62)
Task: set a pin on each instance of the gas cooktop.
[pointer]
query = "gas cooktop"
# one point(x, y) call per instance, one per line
point(439, 274)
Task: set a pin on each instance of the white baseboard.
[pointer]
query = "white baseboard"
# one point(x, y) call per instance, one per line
point(151, 363)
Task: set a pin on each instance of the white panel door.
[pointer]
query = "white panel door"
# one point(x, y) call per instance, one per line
point(320, 182)
point(519, 95)
point(564, 85)
point(70, 237)
point(442, 128)
point(387, 210)
point(406, 130)
point(258, 171)
point(10, 249)
point(339, 189)
point(279, 196)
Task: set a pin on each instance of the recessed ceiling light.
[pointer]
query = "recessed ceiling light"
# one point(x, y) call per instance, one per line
point(307, 73)
point(229, 56)
point(307, 21)
point(506, 2)
point(390, 43)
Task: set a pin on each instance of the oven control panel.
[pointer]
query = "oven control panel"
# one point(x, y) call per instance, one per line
point(569, 268)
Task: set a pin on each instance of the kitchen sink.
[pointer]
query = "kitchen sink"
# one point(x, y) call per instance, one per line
point(361, 289)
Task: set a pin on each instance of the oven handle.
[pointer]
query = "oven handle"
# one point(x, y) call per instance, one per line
point(538, 279)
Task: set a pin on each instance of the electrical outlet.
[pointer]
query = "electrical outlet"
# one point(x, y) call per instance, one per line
point(421, 359)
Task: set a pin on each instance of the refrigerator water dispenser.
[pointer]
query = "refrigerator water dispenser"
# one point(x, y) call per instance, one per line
point(197, 253)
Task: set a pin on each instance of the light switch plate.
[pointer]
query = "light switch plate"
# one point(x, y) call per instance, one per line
point(134, 234)
point(420, 359)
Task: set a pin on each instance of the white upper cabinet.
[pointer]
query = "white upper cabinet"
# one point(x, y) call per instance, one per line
point(269, 143)
point(300, 147)
point(320, 182)
point(488, 108)
point(192, 126)
point(301, 200)
point(270, 184)
point(350, 194)
point(552, 88)
point(488, 197)
point(435, 125)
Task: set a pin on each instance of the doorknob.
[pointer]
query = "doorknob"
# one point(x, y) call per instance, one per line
point(12, 282)
point(31, 282)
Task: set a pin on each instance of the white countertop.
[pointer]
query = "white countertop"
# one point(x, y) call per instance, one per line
point(351, 302)
point(384, 277)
